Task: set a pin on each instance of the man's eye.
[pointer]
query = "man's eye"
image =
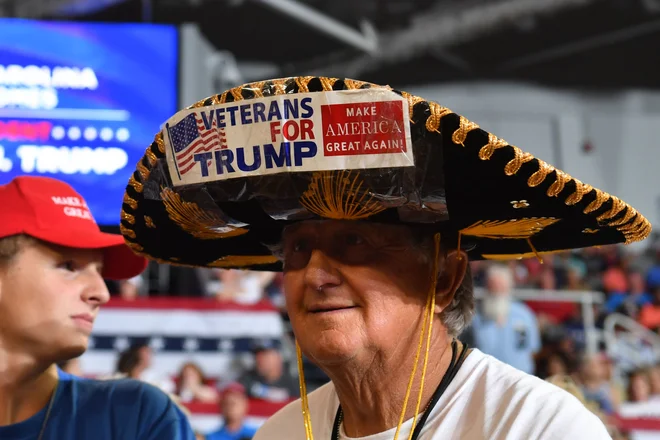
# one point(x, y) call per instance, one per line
point(353, 239)
point(67, 265)
point(300, 246)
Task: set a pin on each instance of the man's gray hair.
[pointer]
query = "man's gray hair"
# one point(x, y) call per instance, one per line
point(458, 314)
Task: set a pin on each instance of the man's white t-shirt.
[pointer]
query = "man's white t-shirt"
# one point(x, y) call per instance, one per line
point(486, 400)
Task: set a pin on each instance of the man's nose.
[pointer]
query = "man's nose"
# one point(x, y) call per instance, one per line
point(321, 271)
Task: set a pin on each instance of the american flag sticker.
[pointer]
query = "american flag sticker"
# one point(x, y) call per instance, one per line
point(190, 136)
point(351, 129)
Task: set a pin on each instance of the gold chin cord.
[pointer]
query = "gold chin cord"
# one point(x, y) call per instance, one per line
point(427, 322)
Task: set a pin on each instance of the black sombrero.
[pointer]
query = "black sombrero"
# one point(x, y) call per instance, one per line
point(224, 176)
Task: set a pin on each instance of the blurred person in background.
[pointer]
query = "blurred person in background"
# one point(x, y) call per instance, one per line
point(639, 388)
point(135, 362)
point(630, 303)
point(131, 289)
point(654, 382)
point(649, 314)
point(242, 287)
point(269, 379)
point(192, 385)
point(554, 363)
point(593, 383)
point(53, 260)
point(233, 407)
point(503, 327)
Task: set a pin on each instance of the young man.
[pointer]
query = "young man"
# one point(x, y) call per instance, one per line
point(53, 261)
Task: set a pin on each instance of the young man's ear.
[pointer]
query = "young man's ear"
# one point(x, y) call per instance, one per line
point(454, 267)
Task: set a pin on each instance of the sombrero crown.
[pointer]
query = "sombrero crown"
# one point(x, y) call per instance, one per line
point(226, 175)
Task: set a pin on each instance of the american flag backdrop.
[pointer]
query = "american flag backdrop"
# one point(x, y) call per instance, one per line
point(204, 331)
point(190, 136)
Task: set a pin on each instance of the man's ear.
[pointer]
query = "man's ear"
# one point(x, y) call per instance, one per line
point(453, 267)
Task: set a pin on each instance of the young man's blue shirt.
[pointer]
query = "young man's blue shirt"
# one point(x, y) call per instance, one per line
point(121, 409)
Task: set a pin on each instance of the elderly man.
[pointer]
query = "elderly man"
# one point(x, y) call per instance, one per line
point(503, 327)
point(371, 201)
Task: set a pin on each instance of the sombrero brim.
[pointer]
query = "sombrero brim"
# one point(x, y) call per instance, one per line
point(500, 202)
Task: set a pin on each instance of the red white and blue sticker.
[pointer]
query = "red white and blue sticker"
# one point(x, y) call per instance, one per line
point(319, 131)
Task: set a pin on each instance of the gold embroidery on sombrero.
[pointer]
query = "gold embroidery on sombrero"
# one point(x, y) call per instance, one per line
point(519, 204)
point(601, 197)
point(327, 83)
point(638, 230)
point(279, 85)
point(505, 229)
point(151, 156)
point(137, 186)
point(505, 257)
point(236, 92)
point(339, 196)
point(303, 82)
point(519, 158)
point(534, 251)
point(461, 133)
point(412, 101)
point(352, 84)
point(539, 176)
point(590, 231)
point(136, 247)
point(198, 104)
point(130, 201)
point(243, 261)
point(618, 205)
point(561, 179)
point(437, 113)
point(196, 221)
point(127, 232)
point(149, 222)
point(257, 89)
point(494, 143)
point(581, 189)
point(630, 213)
point(128, 217)
point(143, 170)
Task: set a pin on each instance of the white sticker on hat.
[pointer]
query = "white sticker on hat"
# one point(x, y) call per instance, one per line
point(320, 131)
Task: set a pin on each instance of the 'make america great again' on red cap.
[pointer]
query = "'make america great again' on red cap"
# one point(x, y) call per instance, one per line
point(52, 211)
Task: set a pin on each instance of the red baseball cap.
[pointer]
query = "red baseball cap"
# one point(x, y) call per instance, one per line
point(52, 211)
point(233, 387)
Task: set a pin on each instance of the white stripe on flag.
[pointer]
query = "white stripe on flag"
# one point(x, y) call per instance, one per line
point(227, 324)
point(215, 365)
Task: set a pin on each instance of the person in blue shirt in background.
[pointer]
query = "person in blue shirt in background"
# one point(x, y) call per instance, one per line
point(53, 261)
point(234, 407)
point(503, 327)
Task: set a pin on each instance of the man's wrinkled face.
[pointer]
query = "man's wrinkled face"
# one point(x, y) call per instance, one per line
point(49, 298)
point(351, 286)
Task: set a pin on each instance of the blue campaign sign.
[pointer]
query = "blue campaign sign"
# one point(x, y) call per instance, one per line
point(82, 101)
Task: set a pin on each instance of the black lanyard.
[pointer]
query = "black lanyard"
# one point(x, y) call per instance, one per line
point(444, 383)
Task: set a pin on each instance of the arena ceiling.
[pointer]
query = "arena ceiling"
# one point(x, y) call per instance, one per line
point(578, 43)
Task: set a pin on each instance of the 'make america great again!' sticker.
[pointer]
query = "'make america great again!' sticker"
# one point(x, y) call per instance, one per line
point(319, 131)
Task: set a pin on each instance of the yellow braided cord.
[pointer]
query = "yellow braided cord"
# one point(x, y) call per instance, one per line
point(429, 300)
point(303, 396)
point(430, 311)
